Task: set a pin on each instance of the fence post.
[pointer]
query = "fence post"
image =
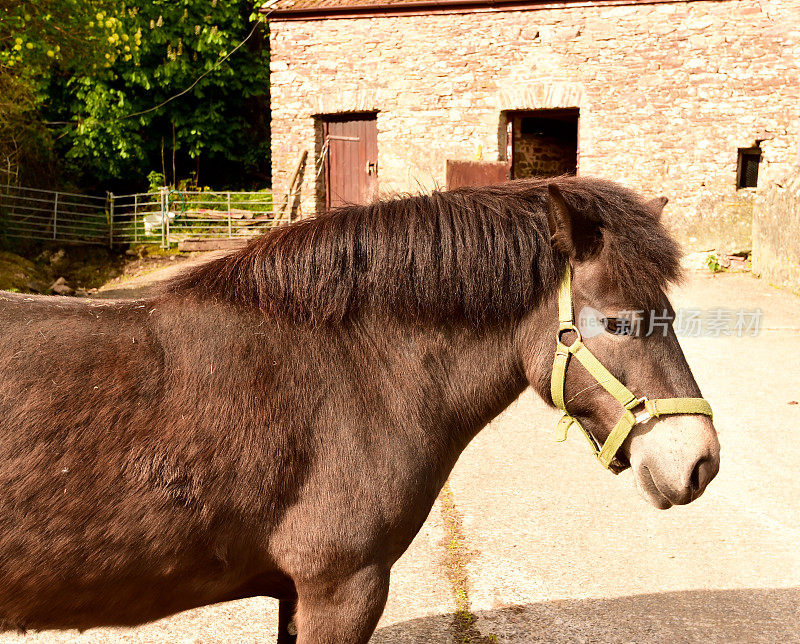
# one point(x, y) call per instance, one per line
point(166, 214)
point(110, 219)
point(230, 227)
point(135, 223)
point(55, 215)
point(163, 213)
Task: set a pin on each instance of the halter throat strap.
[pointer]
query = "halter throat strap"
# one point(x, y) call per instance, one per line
point(634, 410)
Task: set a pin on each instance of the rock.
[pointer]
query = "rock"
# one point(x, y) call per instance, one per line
point(59, 259)
point(137, 251)
point(17, 272)
point(60, 287)
point(63, 290)
point(737, 263)
point(696, 261)
point(36, 286)
point(44, 256)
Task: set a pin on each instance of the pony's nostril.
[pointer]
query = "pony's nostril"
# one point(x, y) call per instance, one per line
point(702, 474)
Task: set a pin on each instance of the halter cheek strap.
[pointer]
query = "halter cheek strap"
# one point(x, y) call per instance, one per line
point(647, 409)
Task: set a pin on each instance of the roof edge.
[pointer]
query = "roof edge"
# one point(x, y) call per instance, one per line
point(379, 8)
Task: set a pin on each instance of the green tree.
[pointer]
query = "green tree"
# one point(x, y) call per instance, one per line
point(172, 96)
point(38, 39)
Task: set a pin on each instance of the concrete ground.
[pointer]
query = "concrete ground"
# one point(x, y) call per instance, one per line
point(549, 547)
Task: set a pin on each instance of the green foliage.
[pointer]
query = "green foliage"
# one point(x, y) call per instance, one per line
point(37, 40)
point(155, 180)
point(713, 263)
point(76, 34)
point(168, 47)
point(118, 90)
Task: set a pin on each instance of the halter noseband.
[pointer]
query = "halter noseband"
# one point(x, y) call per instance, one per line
point(607, 453)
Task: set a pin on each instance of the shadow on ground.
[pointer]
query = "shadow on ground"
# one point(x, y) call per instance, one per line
point(741, 615)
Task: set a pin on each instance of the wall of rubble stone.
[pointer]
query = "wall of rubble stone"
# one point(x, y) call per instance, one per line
point(667, 93)
point(776, 232)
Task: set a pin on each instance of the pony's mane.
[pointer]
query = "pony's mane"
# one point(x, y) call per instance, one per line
point(482, 254)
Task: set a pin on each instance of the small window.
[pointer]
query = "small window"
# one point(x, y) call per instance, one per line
point(747, 171)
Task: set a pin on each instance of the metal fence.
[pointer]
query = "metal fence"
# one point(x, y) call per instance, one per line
point(165, 217)
point(30, 213)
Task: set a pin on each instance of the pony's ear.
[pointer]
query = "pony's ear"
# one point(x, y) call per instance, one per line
point(656, 206)
point(573, 233)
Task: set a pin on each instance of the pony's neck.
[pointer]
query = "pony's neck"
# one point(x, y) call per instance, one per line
point(449, 380)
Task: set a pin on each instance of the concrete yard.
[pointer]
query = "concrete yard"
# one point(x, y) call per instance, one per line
point(555, 549)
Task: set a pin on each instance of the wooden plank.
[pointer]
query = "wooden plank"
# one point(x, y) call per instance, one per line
point(205, 213)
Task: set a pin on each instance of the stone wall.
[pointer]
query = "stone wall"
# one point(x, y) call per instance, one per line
point(667, 94)
point(776, 232)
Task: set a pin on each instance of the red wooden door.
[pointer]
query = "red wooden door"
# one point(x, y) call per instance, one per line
point(351, 164)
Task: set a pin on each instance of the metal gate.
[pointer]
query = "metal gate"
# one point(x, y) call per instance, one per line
point(164, 217)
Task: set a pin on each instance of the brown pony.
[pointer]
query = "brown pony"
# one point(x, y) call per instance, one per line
point(280, 421)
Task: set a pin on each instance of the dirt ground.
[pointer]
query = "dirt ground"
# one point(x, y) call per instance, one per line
point(552, 548)
point(144, 276)
point(87, 269)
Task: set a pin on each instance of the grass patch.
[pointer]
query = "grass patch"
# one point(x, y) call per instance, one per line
point(33, 268)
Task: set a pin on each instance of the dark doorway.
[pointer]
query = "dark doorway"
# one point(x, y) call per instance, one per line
point(350, 150)
point(544, 143)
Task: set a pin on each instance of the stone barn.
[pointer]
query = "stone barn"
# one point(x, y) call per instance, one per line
point(696, 100)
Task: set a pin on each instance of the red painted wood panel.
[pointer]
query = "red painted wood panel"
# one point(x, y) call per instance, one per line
point(476, 173)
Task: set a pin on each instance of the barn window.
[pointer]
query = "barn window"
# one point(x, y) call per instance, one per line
point(747, 169)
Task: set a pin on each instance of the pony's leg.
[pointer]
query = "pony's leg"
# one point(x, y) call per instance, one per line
point(345, 610)
point(287, 631)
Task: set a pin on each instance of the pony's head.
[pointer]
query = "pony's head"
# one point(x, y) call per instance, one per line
point(621, 376)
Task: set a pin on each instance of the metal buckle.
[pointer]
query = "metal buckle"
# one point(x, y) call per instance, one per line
point(564, 329)
point(643, 416)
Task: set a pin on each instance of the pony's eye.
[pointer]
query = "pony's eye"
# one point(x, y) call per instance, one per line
point(618, 326)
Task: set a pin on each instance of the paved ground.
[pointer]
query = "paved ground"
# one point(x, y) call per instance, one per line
point(557, 550)
point(567, 553)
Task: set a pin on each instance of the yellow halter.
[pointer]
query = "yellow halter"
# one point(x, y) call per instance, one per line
point(649, 408)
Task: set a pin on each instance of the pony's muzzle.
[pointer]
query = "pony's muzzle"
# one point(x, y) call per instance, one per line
point(674, 459)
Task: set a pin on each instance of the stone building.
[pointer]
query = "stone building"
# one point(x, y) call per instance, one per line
point(696, 100)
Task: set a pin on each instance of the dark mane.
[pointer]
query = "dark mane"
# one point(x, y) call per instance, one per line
point(481, 254)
